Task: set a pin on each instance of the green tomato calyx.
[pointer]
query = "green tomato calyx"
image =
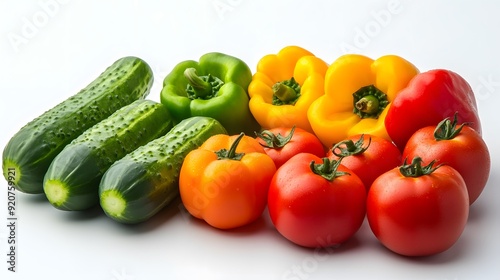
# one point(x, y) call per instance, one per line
point(415, 168)
point(349, 148)
point(275, 141)
point(328, 169)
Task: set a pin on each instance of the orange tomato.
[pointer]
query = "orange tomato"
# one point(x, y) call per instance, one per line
point(225, 181)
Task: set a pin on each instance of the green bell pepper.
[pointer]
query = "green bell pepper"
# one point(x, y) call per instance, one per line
point(216, 87)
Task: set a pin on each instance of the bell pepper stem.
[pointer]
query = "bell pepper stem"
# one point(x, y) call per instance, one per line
point(201, 87)
point(284, 92)
point(327, 169)
point(368, 104)
point(231, 153)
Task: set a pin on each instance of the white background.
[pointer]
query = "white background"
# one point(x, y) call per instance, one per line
point(50, 49)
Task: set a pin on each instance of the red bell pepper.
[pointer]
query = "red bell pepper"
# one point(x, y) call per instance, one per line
point(429, 98)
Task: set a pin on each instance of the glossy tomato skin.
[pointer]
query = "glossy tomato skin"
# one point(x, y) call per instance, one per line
point(381, 156)
point(302, 141)
point(418, 216)
point(311, 211)
point(467, 153)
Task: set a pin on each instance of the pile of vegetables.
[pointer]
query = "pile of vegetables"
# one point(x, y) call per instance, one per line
point(321, 146)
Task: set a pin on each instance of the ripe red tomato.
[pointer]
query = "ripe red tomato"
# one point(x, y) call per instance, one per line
point(281, 143)
point(461, 147)
point(368, 156)
point(418, 210)
point(311, 209)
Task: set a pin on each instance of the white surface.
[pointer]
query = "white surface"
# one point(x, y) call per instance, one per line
point(50, 49)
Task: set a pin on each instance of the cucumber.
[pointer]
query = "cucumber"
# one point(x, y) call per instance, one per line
point(72, 180)
point(30, 151)
point(146, 180)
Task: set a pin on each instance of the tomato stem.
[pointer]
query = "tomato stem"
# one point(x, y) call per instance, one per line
point(415, 168)
point(447, 129)
point(275, 141)
point(351, 148)
point(328, 169)
point(231, 153)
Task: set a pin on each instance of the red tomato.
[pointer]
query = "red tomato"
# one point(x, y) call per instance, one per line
point(282, 143)
point(368, 156)
point(461, 147)
point(418, 215)
point(311, 210)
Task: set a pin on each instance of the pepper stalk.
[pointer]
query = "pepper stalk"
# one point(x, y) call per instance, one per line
point(231, 153)
point(286, 92)
point(204, 87)
point(369, 102)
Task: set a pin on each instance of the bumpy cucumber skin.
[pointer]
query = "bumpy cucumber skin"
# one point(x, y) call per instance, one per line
point(147, 179)
point(80, 165)
point(31, 150)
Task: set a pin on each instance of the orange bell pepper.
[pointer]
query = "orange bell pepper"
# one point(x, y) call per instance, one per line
point(225, 181)
point(284, 86)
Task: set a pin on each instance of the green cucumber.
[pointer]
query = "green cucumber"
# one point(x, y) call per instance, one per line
point(28, 154)
point(72, 180)
point(146, 180)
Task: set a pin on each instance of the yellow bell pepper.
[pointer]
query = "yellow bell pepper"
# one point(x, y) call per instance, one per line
point(284, 87)
point(358, 93)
